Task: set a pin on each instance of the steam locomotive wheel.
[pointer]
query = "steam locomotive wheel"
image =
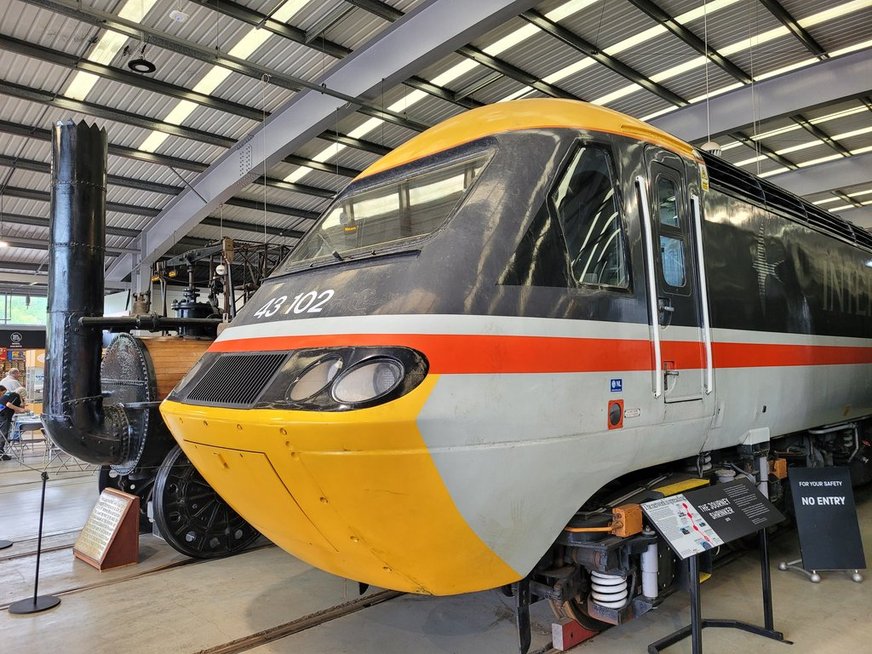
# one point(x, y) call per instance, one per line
point(192, 517)
point(108, 478)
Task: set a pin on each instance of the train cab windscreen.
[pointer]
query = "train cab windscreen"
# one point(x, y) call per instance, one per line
point(381, 217)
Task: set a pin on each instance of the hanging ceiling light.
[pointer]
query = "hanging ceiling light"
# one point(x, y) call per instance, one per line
point(141, 65)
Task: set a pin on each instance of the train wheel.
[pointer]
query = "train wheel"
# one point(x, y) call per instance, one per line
point(576, 609)
point(192, 517)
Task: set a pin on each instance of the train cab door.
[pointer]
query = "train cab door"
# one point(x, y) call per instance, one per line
point(676, 292)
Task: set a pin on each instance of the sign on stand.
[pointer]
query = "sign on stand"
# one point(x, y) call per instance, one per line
point(706, 518)
point(110, 537)
point(700, 520)
point(826, 519)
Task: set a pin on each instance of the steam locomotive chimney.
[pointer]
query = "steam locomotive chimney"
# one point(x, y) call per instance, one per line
point(74, 415)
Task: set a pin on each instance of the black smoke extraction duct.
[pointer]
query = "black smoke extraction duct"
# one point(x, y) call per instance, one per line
point(74, 415)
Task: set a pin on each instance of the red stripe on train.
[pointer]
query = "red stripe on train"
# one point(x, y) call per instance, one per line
point(460, 354)
point(756, 355)
point(481, 353)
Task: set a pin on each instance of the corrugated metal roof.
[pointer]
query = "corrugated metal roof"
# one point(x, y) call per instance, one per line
point(355, 29)
point(12, 145)
point(694, 83)
point(176, 146)
point(24, 71)
point(774, 55)
point(844, 31)
point(24, 255)
point(494, 92)
point(44, 27)
point(284, 198)
point(220, 122)
point(604, 23)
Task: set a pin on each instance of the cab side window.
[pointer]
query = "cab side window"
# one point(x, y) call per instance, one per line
point(587, 208)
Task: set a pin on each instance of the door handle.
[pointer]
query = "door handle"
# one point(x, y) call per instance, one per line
point(670, 375)
point(665, 311)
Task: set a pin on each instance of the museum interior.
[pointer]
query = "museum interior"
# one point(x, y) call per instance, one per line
point(435, 326)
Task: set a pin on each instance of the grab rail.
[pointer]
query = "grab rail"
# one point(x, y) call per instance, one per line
point(703, 295)
point(652, 285)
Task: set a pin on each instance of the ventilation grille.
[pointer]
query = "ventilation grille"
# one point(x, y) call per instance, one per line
point(779, 200)
point(236, 379)
point(832, 223)
point(726, 177)
point(863, 236)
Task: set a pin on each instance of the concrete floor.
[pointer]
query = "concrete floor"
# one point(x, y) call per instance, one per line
point(169, 604)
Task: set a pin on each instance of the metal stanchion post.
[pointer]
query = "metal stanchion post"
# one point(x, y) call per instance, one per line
point(36, 603)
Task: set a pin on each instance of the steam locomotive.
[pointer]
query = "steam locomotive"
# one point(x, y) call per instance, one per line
point(101, 404)
point(513, 325)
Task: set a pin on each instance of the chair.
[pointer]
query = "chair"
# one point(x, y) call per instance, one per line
point(25, 433)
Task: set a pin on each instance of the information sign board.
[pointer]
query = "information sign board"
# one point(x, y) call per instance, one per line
point(681, 525)
point(700, 520)
point(826, 519)
point(110, 537)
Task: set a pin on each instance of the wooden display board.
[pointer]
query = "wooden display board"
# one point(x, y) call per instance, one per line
point(110, 537)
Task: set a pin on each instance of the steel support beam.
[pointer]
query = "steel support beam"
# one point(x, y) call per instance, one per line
point(27, 273)
point(37, 244)
point(141, 81)
point(829, 176)
point(587, 48)
point(212, 221)
point(39, 221)
point(174, 162)
point(137, 80)
point(110, 113)
point(420, 38)
point(691, 39)
point(113, 180)
point(835, 79)
point(262, 21)
point(42, 196)
point(106, 20)
point(25, 278)
point(778, 10)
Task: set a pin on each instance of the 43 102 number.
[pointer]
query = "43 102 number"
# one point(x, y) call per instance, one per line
point(311, 302)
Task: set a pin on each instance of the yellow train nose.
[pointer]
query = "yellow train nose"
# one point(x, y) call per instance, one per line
point(355, 493)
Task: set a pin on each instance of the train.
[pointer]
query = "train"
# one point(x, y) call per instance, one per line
point(512, 326)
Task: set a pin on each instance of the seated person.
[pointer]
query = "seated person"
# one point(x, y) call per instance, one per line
point(11, 402)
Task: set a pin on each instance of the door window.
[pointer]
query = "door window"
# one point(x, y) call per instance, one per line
point(672, 243)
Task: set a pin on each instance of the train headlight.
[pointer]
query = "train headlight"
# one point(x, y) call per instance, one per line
point(343, 378)
point(314, 379)
point(368, 381)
